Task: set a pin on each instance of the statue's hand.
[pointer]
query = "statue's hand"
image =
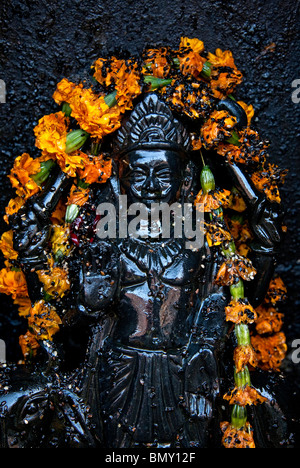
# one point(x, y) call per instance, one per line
point(99, 277)
point(30, 234)
point(266, 223)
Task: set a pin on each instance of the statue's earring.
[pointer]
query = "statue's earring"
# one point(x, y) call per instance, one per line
point(189, 182)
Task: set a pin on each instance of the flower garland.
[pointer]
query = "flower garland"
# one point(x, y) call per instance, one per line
point(193, 83)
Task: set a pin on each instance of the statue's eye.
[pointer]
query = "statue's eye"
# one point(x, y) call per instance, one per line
point(164, 175)
point(138, 174)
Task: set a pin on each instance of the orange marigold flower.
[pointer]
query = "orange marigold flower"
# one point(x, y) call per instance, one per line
point(191, 100)
point(221, 59)
point(55, 281)
point(224, 76)
point(268, 181)
point(78, 195)
point(58, 215)
point(233, 269)
point(13, 207)
point(276, 292)
point(213, 200)
point(251, 148)
point(249, 111)
point(271, 350)
point(65, 91)
point(269, 320)
point(216, 233)
point(244, 355)
point(244, 396)
point(71, 163)
point(190, 60)
point(124, 74)
point(24, 306)
point(13, 283)
point(6, 245)
point(44, 321)
point(20, 175)
point(237, 438)
point(240, 311)
point(217, 128)
point(51, 133)
point(97, 169)
point(157, 61)
point(29, 345)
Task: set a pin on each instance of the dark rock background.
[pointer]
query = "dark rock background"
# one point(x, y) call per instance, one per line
point(42, 41)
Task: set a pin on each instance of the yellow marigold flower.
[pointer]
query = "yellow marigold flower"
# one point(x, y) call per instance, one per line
point(51, 133)
point(60, 240)
point(13, 283)
point(244, 396)
point(221, 59)
point(20, 175)
point(29, 345)
point(217, 128)
point(216, 234)
point(55, 281)
point(44, 321)
point(224, 76)
point(6, 245)
point(240, 311)
point(270, 350)
point(65, 91)
point(195, 44)
point(243, 356)
point(13, 207)
point(237, 438)
point(97, 169)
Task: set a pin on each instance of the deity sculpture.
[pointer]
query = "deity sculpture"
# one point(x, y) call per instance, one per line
point(154, 367)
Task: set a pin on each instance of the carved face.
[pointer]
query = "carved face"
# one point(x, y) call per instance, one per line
point(149, 176)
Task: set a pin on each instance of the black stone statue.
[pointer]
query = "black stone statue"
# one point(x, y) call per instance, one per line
point(155, 364)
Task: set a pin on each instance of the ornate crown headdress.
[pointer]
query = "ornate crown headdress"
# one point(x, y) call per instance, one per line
point(152, 124)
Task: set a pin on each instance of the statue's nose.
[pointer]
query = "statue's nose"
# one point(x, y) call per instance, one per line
point(151, 184)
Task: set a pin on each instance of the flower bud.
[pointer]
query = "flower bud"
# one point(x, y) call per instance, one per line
point(156, 82)
point(45, 170)
point(71, 213)
point(207, 180)
point(75, 140)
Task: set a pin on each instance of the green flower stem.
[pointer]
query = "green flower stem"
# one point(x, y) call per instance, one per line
point(230, 249)
point(66, 109)
point(75, 140)
point(156, 83)
point(237, 291)
point(43, 175)
point(242, 334)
